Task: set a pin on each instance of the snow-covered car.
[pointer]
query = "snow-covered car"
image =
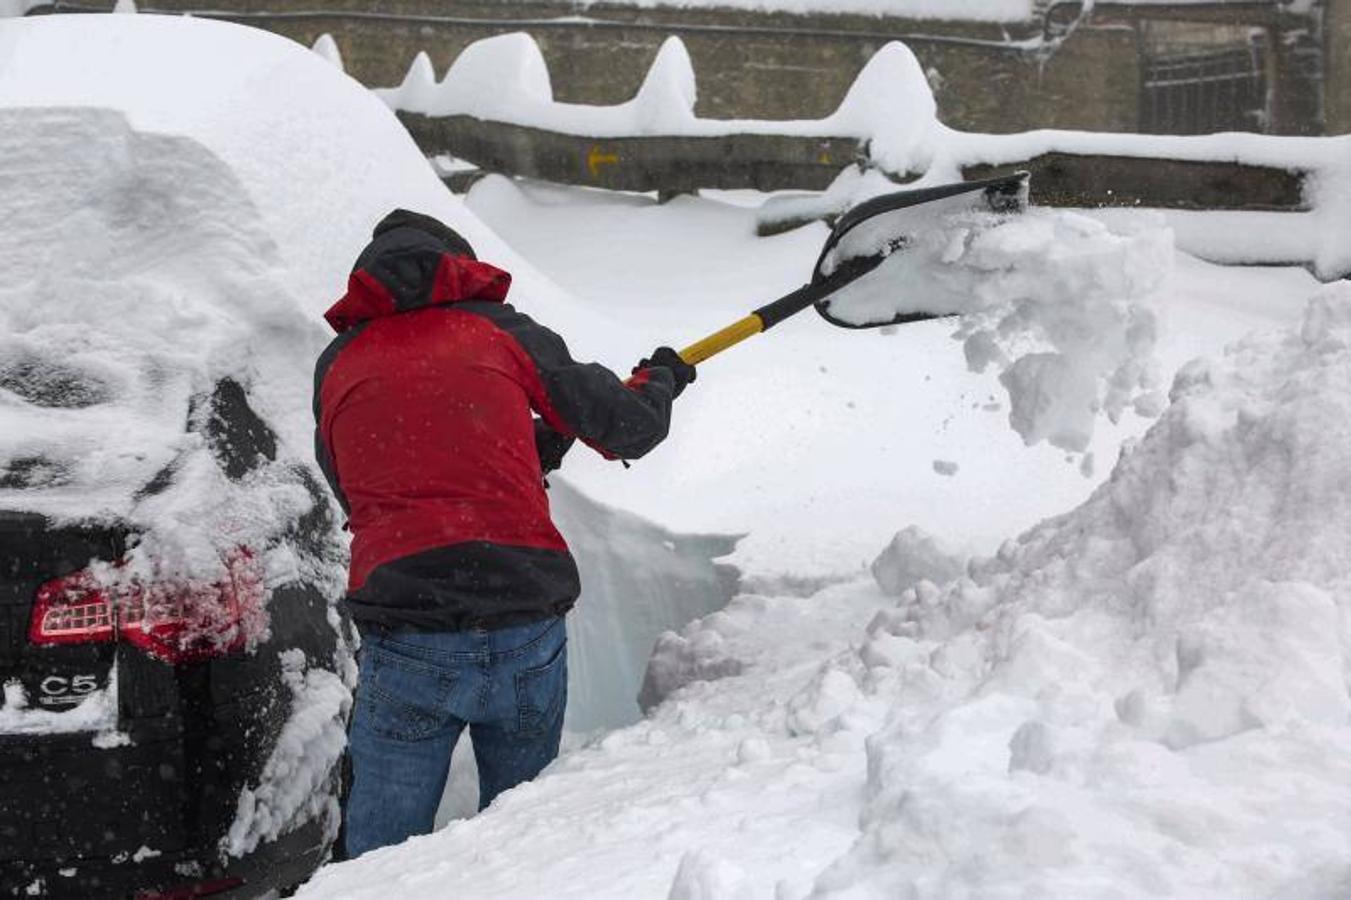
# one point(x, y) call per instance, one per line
point(176, 675)
point(142, 712)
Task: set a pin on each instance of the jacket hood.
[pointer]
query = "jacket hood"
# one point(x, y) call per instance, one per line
point(414, 261)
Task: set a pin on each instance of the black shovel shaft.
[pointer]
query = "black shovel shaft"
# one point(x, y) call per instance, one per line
point(809, 294)
point(1003, 194)
point(790, 304)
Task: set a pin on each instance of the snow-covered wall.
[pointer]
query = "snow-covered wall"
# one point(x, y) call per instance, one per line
point(638, 581)
point(890, 109)
point(804, 61)
point(890, 106)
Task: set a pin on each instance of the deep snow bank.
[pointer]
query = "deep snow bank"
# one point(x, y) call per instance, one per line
point(183, 199)
point(640, 581)
point(1147, 695)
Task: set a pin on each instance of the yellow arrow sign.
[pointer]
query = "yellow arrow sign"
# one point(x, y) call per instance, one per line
point(596, 158)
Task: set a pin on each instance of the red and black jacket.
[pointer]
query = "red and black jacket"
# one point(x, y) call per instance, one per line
point(424, 404)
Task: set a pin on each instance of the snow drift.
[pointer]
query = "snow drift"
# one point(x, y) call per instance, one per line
point(1147, 695)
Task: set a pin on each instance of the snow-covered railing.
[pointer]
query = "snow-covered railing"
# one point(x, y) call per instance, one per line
point(495, 108)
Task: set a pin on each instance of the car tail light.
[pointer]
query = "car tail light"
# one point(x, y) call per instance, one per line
point(188, 891)
point(174, 620)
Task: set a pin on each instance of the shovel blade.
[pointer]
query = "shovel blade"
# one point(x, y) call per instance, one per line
point(864, 276)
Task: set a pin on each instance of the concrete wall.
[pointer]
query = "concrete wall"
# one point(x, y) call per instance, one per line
point(665, 164)
point(782, 66)
point(781, 162)
point(1337, 66)
point(749, 65)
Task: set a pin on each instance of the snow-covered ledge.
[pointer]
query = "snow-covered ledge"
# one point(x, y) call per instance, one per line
point(501, 85)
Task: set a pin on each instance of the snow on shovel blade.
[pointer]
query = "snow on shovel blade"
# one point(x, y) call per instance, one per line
point(889, 254)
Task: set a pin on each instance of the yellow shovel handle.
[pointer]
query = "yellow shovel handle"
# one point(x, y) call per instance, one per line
point(719, 341)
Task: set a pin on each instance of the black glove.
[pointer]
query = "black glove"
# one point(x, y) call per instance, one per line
point(669, 359)
point(551, 446)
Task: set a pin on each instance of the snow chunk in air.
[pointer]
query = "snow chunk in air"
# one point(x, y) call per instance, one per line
point(1054, 300)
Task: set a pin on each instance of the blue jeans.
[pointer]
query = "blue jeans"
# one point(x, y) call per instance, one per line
point(416, 693)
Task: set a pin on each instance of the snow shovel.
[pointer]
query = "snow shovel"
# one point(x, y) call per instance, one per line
point(862, 239)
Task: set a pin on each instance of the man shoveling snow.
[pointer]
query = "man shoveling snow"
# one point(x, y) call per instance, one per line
point(459, 580)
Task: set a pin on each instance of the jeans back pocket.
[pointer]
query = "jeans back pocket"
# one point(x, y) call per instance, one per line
point(401, 697)
point(542, 692)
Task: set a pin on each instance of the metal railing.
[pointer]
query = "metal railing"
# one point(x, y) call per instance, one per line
point(1205, 91)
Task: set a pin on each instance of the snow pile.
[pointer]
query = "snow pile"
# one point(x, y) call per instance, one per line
point(1053, 300)
point(419, 83)
point(709, 794)
point(698, 653)
point(891, 106)
point(505, 78)
point(319, 162)
point(327, 48)
point(704, 876)
point(1147, 695)
point(914, 556)
point(665, 101)
point(296, 785)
